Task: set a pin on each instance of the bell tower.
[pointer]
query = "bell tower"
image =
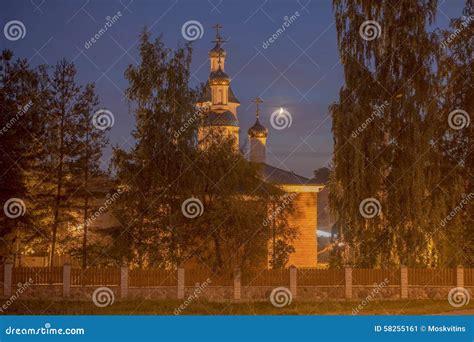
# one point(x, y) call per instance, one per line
point(221, 117)
point(217, 54)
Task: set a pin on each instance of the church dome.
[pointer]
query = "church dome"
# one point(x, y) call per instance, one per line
point(219, 77)
point(258, 130)
point(226, 118)
point(216, 50)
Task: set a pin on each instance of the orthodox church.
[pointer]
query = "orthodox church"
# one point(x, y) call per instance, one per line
point(222, 117)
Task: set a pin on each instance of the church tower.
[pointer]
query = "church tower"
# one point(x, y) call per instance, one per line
point(221, 117)
point(258, 138)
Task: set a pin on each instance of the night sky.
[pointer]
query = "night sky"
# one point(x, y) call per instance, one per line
point(300, 71)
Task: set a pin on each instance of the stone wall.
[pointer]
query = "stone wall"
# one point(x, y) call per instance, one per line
point(248, 293)
point(433, 292)
point(156, 293)
point(85, 292)
point(311, 293)
point(376, 292)
point(210, 293)
point(39, 291)
point(256, 293)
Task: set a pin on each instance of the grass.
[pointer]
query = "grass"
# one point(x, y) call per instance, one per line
point(152, 307)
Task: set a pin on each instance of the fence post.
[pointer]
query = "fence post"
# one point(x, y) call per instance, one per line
point(237, 284)
point(403, 282)
point(180, 283)
point(460, 276)
point(123, 282)
point(66, 279)
point(7, 278)
point(348, 285)
point(293, 280)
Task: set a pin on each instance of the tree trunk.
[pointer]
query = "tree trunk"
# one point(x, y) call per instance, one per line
point(86, 202)
point(273, 237)
point(58, 192)
point(84, 239)
point(217, 246)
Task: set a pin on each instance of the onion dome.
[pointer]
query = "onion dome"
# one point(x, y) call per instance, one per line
point(217, 51)
point(219, 77)
point(225, 118)
point(258, 130)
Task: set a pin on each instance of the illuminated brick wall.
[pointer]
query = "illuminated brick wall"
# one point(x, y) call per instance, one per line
point(305, 218)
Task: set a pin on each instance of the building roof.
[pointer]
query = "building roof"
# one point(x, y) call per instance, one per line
point(219, 77)
point(206, 96)
point(272, 174)
point(217, 50)
point(225, 118)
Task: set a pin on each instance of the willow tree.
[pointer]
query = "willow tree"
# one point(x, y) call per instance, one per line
point(385, 125)
point(456, 142)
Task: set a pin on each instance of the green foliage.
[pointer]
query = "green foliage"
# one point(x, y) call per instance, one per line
point(49, 146)
point(456, 147)
point(404, 155)
point(168, 166)
point(19, 86)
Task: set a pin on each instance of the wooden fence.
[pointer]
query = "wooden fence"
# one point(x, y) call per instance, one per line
point(315, 277)
point(432, 277)
point(365, 276)
point(200, 275)
point(469, 276)
point(37, 275)
point(95, 276)
point(152, 277)
point(240, 283)
point(266, 278)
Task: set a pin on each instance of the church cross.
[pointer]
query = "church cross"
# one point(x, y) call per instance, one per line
point(219, 39)
point(257, 101)
point(217, 27)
